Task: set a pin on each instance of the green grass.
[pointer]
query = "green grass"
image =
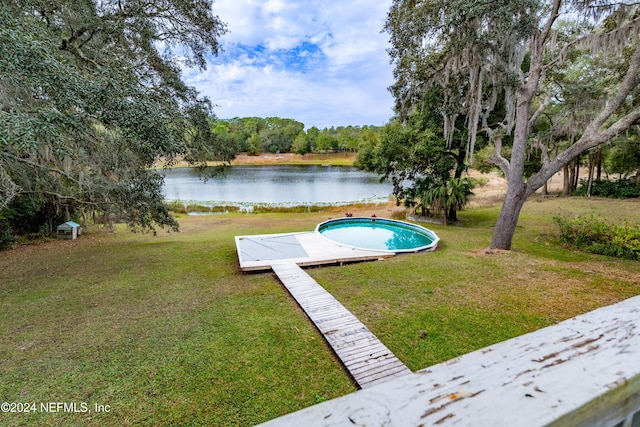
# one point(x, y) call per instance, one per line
point(167, 331)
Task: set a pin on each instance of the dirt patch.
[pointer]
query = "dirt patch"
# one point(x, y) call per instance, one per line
point(343, 159)
point(266, 159)
point(490, 193)
point(493, 190)
point(489, 252)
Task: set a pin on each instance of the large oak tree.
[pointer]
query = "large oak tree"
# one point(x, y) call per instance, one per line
point(497, 63)
point(91, 97)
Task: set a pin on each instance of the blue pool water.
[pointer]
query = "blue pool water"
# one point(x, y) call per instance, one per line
point(379, 234)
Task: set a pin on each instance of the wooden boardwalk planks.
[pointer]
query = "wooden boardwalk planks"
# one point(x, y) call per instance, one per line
point(583, 371)
point(368, 360)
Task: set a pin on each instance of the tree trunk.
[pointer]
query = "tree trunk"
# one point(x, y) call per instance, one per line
point(565, 180)
point(572, 176)
point(517, 189)
point(576, 177)
point(593, 136)
point(592, 165)
point(452, 216)
point(508, 219)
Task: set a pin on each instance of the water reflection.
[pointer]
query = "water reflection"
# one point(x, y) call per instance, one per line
point(407, 240)
point(277, 184)
point(375, 235)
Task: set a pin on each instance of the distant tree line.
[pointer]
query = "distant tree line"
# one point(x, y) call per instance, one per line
point(282, 135)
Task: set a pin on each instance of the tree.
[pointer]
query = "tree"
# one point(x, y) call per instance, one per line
point(279, 134)
point(91, 97)
point(312, 136)
point(623, 158)
point(325, 142)
point(254, 144)
point(449, 196)
point(425, 172)
point(348, 137)
point(301, 144)
point(499, 55)
point(222, 133)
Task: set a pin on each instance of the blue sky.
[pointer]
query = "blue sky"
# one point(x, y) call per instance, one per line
point(323, 62)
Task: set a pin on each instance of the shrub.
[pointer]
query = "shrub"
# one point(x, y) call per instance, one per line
point(6, 235)
point(288, 209)
point(224, 209)
point(593, 234)
point(619, 189)
point(177, 207)
point(198, 208)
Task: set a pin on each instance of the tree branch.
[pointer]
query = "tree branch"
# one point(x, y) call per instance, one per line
point(603, 6)
point(77, 52)
point(63, 197)
point(586, 142)
point(561, 55)
point(593, 135)
point(544, 34)
point(45, 167)
point(630, 82)
point(536, 115)
point(496, 158)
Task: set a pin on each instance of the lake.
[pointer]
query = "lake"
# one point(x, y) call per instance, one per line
point(276, 184)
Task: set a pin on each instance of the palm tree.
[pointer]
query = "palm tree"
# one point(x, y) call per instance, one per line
point(450, 197)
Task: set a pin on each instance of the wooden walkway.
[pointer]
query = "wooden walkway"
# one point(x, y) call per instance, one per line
point(583, 371)
point(368, 360)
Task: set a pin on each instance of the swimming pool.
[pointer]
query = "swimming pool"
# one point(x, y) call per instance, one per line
point(378, 234)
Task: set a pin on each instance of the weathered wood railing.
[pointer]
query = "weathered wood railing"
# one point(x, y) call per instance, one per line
point(584, 371)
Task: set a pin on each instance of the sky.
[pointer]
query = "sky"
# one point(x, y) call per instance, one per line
point(323, 63)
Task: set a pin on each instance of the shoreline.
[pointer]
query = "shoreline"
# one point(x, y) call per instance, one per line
point(244, 159)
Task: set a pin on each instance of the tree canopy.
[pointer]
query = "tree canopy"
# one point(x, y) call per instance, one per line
point(283, 135)
point(426, 171)
point(91, 97)
point(524, 73)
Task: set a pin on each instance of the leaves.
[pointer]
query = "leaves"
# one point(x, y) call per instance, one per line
point(596, 235)
point(91, 97)
point(520, 73)
point(425, 172)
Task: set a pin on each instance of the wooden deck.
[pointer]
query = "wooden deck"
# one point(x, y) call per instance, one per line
point(258, 252)
point(368, 360)
point(583, 372)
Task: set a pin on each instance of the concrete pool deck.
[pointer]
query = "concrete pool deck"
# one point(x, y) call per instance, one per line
point(260, 252)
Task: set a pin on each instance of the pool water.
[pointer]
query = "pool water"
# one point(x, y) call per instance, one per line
point(378, 234)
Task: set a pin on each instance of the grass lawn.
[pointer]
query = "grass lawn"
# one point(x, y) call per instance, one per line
point(167, 331)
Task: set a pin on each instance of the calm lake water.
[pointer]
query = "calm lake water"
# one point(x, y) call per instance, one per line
point(277, 184)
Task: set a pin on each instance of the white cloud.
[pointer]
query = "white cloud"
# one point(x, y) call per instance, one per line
point(322, 63)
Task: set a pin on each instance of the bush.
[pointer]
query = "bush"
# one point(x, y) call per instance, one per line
point(619, 189)
point(6, 235)
point(176, 207)
point(595, 235)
